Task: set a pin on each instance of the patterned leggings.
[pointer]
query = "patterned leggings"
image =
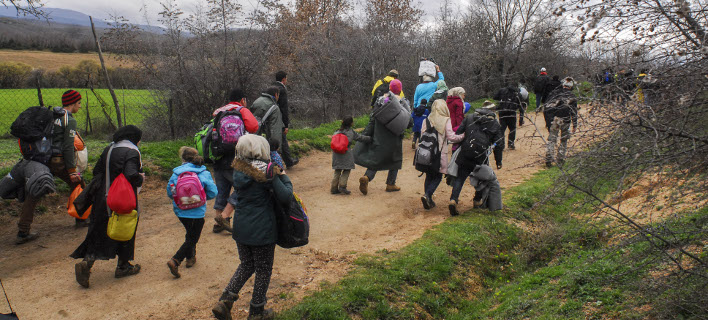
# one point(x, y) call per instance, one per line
point(258, 259)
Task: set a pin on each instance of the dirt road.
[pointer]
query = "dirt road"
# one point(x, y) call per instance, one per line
point(39, 276)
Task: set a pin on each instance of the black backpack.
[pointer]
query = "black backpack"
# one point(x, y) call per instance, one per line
point(379, 92)
point(34, 127)
point(427, 155)
point(540, 84)
point(292, 222)
point(477, 139)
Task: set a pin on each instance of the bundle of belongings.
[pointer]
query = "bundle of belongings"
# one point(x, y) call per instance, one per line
point(394, 113)
point(485, 181)
point(27, 178)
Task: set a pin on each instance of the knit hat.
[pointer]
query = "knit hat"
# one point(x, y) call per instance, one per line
point(393, 73)
point(395, 86)
point(488, 104)
point(568, 82)
point(70, 97)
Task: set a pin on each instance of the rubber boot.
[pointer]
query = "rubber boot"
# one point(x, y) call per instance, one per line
point(222, 309)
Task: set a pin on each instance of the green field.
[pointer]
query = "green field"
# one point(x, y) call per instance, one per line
point(132, 102)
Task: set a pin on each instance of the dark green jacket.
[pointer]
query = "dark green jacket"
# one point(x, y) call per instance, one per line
point(384, 152)
point(63, 140)
point(273, 126)
point(254, 215)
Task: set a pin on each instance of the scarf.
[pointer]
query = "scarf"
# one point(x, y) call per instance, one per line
point(439, 115)
point(258, 164)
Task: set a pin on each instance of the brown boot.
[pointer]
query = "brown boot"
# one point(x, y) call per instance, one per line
point(223, 223)
point(174, 267)
point(364, 185)
point(83, 272)
point(222, 309)
point(190, 262)
point(392, 188)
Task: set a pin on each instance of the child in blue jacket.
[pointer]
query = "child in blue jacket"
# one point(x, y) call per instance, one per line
point(192, 219)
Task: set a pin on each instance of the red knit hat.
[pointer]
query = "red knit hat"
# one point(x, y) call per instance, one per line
point(395, 86)
point(70, 97)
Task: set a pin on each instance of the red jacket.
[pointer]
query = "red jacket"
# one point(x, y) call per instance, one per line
point(457, 111)
point(248, 119)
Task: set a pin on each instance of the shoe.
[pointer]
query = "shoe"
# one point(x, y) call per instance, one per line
point(431, 202)
point(476, 203)
point(453, 208)
point(217, 228)
point(127, 271)
point(80, 224)
point(392, 188)
point(222, 309)
point(190, 262)
point(295, 162)
point(344, 191)
point(26, 237)
point(223, 223)
point(511, 147)
point(258, 312)
point(83, 272)
point(364, 185)
point(174, 267)
point(549, 164)
point(413, 145)
point(334, 191)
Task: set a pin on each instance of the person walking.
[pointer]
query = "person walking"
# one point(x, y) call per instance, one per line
point(481, 132)
point(223, 173)
point(539, 87)
point(439, 119)
point(124, 159)
point(441, 92)
point(281, 80)
point(343, 163)
point(560, 112)
point(62, 164)
point(456, 105)
point(266, 109)
point(189, 210)
point(509, 99)
point(425, 91)
point(385, 151)
point(379, 91)
point(258, 186)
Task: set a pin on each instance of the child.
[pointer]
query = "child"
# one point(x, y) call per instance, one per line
point(344, 163)
point(191, 218)
point(274, 155)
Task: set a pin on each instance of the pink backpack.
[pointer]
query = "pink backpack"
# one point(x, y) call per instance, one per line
point(231, 128)
point(189, 192)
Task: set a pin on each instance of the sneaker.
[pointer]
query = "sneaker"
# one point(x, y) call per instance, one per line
point(223, 223)
point(344, 191)
point(453, 208)
point(26, 237)
point(83, 272)
point(364, 185)
point(392, 188)
point(127, 271)
point(190, 262)
point(426, 205)
point(431, 202)
point(174, 267)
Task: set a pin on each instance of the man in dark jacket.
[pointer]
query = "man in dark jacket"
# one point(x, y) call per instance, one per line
point(560, 112)
point(482, 131)
point(509, 101)
point(62, 163)
point(551, 85)
point(539, 86)
point(281, 80)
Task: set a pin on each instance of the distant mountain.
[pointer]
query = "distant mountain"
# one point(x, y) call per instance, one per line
point(69, 17)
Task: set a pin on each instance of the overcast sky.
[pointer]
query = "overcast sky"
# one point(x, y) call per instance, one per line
point(132, 9)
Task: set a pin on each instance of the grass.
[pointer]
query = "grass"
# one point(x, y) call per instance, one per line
point(14, 101)
point(52, 61)
point(318, 138)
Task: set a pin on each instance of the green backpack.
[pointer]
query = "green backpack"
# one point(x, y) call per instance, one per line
point(202, 141)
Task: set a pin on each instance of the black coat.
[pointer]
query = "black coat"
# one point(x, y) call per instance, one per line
point(97, 245)
point(473, 126)
point(550, 86)
point(283, 103)
point(509, 102)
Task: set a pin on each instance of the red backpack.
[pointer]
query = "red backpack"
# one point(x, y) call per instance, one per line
point(121, 197)
point(340, 143)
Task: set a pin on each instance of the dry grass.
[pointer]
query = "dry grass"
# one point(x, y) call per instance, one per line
point(52, 61)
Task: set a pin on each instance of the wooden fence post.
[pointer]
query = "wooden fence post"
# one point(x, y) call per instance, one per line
point(39, 90)
point(105, 73)
point(171, 118)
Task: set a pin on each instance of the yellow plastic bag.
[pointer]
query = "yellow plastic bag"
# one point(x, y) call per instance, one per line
point(121, 227)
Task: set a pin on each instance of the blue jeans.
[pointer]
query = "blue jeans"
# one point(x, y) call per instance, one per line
point(538, 100)
point(432, 181)
point(462, 175)
point(224, 180)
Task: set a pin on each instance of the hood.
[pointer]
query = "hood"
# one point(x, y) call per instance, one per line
point(272, 98)
point(245, 173)
point(188, 167)
point(483, 116)
point(230, 106)
point(452, 98)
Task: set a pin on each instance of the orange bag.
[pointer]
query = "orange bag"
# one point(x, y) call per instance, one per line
point(70, 205)
point(79, 144)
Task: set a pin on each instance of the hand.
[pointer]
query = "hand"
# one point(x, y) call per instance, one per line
point(143, 175)
point(499, 166)
point(286, 131)
point(437, 68)
point(75, 177)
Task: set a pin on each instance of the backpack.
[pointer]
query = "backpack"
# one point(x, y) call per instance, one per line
point(379, 91)
point(202, 141)
point(228, 127)
point(540, 84)
point(524, 93)
point(476, 143)
point(261, 121)
point(340, 143)
point(427, 155)
point(188, 192)
point(292, 223)
point(33, 128)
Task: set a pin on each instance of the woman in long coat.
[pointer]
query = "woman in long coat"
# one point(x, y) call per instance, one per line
point(125, 159)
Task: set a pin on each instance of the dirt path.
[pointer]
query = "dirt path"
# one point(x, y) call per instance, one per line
point(39, 276)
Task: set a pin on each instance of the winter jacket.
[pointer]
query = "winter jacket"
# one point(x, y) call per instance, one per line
point(346, 161)
point(63, 140)
point(386, 81)
point(250, 124)
point(485, 181)
point(254, 216)
point(273, 126)
point(550, 86)
point(207, 183)
point(283, 103)
point(384, 152)
point(509, 102)
point(424, 91)
point(457, 111)
point(481, 122)
point(539, 85)
point(563, 104)
point(443, 138)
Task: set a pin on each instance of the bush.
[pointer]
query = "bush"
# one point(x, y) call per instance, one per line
point(13, 74)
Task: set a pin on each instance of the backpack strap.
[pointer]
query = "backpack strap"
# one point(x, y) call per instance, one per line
point(267, 114)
